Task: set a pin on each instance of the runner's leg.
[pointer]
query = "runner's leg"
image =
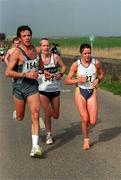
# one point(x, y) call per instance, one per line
point(82, 108)
point(92, 106)
point(20, 108)
point(55, 107)
point(34, 106)
point(47, 111)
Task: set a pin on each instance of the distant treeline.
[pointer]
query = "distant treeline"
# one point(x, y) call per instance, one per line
point(100, 42)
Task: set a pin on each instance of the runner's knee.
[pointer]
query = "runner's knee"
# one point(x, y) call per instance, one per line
point(55, 116)
point(92, 123)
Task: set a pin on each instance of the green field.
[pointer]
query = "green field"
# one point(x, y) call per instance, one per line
point(100, 42)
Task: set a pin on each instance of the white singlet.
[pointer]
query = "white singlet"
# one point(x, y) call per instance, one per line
point(90, 72)
point(51, 85)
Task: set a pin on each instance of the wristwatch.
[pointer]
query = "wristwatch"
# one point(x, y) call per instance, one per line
point(61, 74)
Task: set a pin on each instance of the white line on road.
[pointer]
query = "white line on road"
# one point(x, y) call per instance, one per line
point(65, 90)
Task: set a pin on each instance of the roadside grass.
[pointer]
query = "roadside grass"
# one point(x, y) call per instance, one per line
point(105, 47)
point(100, 42)
point(111, 85)
point(112, 53)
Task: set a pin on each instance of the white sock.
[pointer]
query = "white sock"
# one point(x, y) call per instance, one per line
point(14, 115)
point(35, 139)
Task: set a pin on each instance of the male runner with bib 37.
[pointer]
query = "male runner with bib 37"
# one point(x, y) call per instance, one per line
point(88, 73)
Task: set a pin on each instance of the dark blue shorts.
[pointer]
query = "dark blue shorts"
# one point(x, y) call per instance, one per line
point(86, 93)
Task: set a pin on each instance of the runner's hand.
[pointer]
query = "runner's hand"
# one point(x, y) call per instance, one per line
point(58, 76)
point(47, 75)
point(32, 75)
point(96, 83)
point(82, 79)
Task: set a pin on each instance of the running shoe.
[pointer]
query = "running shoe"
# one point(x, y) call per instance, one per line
point(41, 124)
point(36, 152)
point(14, 114)
point(86, 144)
point(49, 139)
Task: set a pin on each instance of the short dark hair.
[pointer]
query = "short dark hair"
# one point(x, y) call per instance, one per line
point(83, 46)
point(23, 28)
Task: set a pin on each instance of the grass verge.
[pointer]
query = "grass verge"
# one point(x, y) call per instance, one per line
point(110, 85)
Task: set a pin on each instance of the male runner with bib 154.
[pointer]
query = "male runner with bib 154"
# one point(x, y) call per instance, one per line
point(22, 67)
point(49, 89)
point(89, 73)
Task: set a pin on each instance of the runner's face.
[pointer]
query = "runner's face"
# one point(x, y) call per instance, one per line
point(45, 46)
point(86, 54)
point(26, 38)
point(16, 43)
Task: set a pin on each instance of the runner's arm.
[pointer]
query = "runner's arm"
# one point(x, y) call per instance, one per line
point(100, 70)
point(17, 59)
point(13, 61)
point(100, 74)
point(62, 67)
point(71, 77)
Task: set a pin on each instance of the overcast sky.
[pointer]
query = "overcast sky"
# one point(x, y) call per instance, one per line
point(62, 17)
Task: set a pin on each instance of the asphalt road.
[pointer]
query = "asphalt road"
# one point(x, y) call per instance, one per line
point(65, 160)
